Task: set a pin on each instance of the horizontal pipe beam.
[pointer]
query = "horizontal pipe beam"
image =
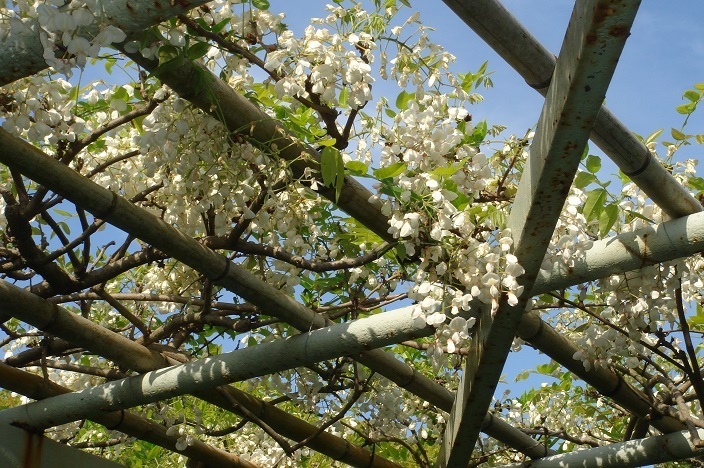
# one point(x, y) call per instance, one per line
point(640, 452)
point(128, 354)
point(80, 331)
point(37, 388)
point(346, 339)
point(651, 245)
point(521, 50)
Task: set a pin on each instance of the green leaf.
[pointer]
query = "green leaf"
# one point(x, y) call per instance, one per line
point(452, 169)
point(585, 153)
point(327, 142)
point(357, 167)
point(446, 170)
point(109, 63)
point(167, 53)
point(340, 177)
point(328, 165)
point(686, 109)
point(461, 202)
point(138, 123)
point(653, 136)
point(677, 135)
point(261, 4)
point(73, 94)
point(691, 95)
point(696, 320)
point(697, 183)
point(197, 50)
point(169, 58)
point(120, 94)
point(64, 227)
point(390, 113)
point(401, 251)
point(607, 219)
point(699, 86)
point(478, 134)
point(634, 214)
point(402, 100)
point(583, 179)
point(594, 204)
point(390, 171)
point(344, 94)
point(593, 163)
point(220, 26)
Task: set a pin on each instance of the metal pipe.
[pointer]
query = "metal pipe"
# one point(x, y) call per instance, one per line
point(628, 251)
point(80, 331)
point(639, 452)
point(593, 43)
point(37, 388)
point(517, 46)
point(346, 339)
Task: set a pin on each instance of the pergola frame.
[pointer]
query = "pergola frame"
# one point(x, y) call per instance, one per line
point(545, 177)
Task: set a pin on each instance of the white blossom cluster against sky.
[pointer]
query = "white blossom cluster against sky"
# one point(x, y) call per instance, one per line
point(663, 57)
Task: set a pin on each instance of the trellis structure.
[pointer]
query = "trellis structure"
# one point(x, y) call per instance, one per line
point(574, 85)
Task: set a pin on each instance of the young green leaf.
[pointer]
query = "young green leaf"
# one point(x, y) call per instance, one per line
point(677, 135)
point(653, 136)
point(686, 109)
point(344, 94)
point(583, 179)
point(390, 171)
point(608, 218)
point(691, 95)
point(593, 163)
point(402, 100)
point(328, 165)
point(594, 204)
point(357, 167)
point(478, 134)
point(197, 50)
point(261, 4)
